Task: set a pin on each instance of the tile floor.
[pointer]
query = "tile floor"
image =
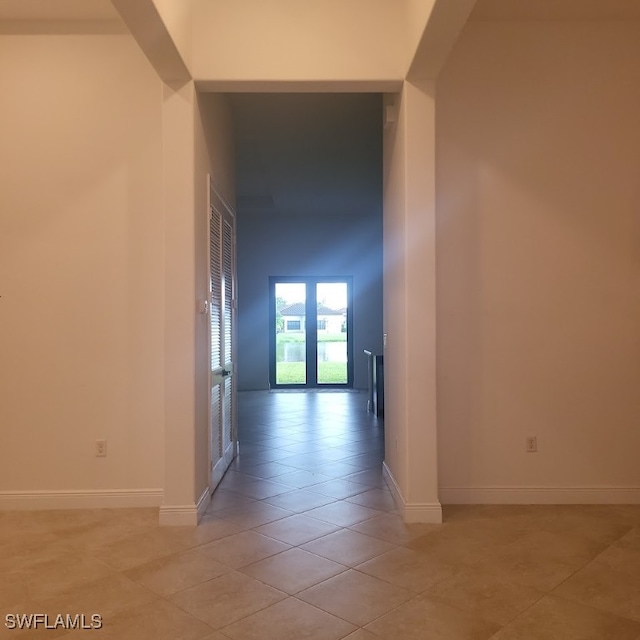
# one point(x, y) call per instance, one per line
point(302, 540)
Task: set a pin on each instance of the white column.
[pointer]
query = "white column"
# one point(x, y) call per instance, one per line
point(410, 312)
point(179, 306)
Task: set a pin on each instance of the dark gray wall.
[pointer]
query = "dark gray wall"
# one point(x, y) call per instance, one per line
point(283, 245)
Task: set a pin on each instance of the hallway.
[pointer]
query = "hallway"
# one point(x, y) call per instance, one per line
point(302, 540)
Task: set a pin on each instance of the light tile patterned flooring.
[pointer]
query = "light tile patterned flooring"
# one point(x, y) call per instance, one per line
point(302, 540)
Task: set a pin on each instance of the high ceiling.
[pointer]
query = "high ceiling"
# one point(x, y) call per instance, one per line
point(308, 154)
point(59, 10)
point(317, 154)
point(484, 10)
point(556, 10)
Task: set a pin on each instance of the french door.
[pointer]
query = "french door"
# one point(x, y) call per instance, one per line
point(310, 332)
point(222, 305)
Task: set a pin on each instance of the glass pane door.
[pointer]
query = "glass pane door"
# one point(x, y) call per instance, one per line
point(310, 332)
point(331, 332)
point(291, 332)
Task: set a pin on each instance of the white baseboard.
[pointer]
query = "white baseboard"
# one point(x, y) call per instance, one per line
point(203, 503)
point(539, 495)
point(88, 499)
point(185, 515)
point(178, 515)
point(393, 487)
point(429, 512)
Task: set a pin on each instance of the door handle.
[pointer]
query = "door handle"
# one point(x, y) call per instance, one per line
point(225, 372)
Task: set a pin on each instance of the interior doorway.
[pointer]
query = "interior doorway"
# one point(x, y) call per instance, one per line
point(223, 441)
point(310, 332)
point(309, 202)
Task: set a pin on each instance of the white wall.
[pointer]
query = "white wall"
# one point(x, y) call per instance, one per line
point(177, 16)
point(284, 40)
point(417, 14)
point(214, 155)
point(80, 265)
point(395, 292)
point(538, 149)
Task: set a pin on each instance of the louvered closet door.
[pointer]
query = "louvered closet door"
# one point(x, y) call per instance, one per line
point(222, 306)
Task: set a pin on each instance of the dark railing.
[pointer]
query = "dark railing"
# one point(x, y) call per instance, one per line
point(375, 376)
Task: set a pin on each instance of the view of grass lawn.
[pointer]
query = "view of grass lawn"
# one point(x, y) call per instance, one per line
point(290, 358)
point(294, 372)
point(310, 331)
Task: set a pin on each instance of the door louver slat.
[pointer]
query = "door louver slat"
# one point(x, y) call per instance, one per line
point(216, 294)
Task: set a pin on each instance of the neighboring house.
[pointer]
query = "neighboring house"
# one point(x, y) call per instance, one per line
point(329, 320)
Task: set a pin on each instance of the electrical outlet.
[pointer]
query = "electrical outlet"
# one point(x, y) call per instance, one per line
point(101, 448)
point(532, 444)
